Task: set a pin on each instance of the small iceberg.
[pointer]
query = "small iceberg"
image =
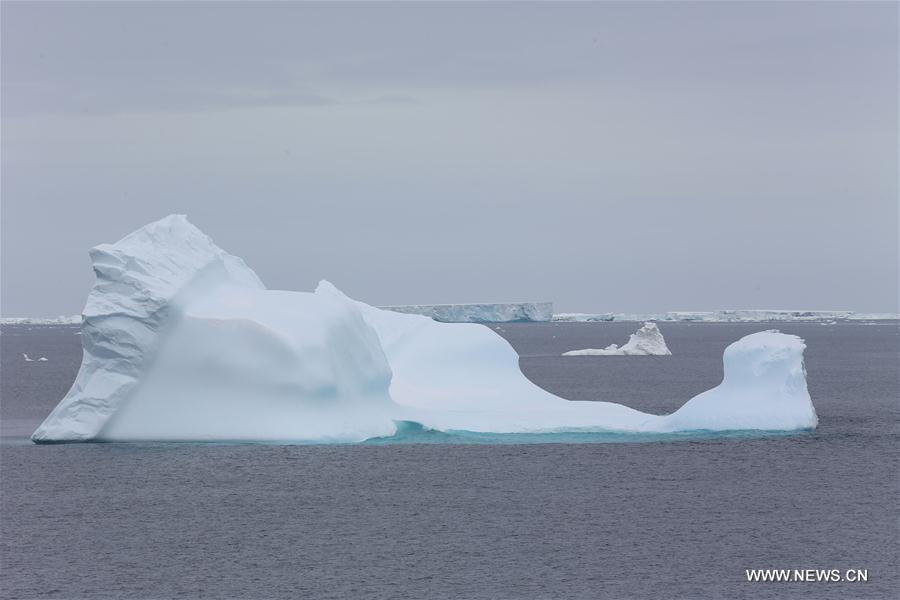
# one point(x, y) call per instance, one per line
point(29, 359)
point(183, 342)
point(646, 341)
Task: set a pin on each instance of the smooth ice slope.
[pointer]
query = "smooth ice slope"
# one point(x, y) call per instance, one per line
point(465, 377)
point(480, 313)
point(646, 341)
point(182, 342)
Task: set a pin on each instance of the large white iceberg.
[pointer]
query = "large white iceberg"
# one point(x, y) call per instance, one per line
point(646, 341)
point(183, 342)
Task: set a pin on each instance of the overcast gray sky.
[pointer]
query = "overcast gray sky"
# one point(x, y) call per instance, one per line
point(608, 157)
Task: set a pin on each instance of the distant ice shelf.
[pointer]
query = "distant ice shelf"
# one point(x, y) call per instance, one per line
point(496, 312)
point(729, 316)
point(543, 311)
point(480, 312)
point(61, 320)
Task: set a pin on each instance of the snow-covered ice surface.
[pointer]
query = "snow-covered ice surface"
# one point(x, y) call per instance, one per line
point(730, 316)
point(183, 342)
point(480, 313)
point(646, 341)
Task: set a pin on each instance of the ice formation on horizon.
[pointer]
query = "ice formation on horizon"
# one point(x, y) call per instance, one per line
point(729, 316)
point(62, 320)
point(498, 312)
point(538, 311)
point(183, 342)
point(646, 341)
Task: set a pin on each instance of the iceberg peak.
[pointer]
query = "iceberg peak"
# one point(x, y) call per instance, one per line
point(138, 280)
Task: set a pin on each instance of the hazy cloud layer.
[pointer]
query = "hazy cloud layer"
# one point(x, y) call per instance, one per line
point(605, 156)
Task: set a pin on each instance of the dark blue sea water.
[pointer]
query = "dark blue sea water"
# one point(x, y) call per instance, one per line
point(648, 518)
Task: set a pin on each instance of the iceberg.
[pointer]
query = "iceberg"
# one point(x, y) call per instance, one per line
point(646, 341)
point(182, 342)
point(480, 313)
point(764, 386)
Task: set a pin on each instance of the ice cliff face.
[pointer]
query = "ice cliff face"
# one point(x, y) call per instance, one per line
point(183, 342)
point(646, 341)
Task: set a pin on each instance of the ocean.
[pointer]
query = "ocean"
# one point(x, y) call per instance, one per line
point(429, 516)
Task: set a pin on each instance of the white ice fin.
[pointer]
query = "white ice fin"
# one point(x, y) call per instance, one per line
point(646, 341)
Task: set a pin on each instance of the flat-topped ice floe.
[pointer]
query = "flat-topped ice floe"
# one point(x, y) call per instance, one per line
point(646, 341)
point(183, 342)
point(480, 313)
